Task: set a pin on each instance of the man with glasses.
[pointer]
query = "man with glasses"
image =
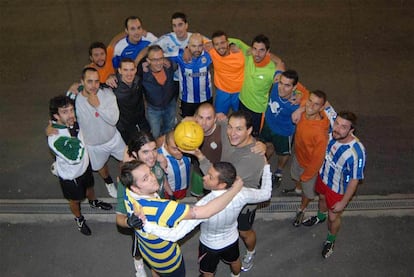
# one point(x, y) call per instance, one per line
point(157, 77)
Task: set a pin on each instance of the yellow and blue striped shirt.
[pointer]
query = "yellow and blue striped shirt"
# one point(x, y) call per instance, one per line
point(163, 256)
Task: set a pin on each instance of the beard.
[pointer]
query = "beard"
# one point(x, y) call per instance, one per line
point(338, 136)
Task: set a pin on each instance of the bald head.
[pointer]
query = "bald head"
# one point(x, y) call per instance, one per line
point(195, 44)
point(205, 116)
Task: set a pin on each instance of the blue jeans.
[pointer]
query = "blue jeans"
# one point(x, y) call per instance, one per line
point(163, 120)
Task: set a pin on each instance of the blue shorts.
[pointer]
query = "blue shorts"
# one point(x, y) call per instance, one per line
point(225, 101)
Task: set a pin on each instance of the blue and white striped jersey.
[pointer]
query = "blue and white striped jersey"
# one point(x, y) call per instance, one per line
point(195, 78)
point(343, 161)
point(178, 170)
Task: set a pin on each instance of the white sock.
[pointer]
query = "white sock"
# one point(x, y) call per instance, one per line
point(232, 275)
point(251, 253)
point(139, 264)
point(139, 268)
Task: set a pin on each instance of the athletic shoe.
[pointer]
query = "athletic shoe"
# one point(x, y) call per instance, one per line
point(298, 191)
point(247, 262)
point(295, 190)
point(298, 219)
point(288, 190)
point(327, 250)
point(100, 204)
point(276, 180)
point(313, 220)
point(53, 169)
point(139, 268)
point(82, 227)
point(112, 190)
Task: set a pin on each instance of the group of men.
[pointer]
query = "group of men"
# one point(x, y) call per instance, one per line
point(137, 82)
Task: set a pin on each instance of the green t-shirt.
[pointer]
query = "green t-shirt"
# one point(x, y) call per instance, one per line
point(257, 81)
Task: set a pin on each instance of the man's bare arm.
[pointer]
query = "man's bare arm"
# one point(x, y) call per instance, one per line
point(141, 55)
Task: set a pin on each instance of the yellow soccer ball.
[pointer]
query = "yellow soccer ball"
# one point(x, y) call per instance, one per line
point(188, 135)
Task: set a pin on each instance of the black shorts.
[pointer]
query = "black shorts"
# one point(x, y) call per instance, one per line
point(256, 118)
point(246, 218)
point(135, 248)
point(76, 189)
point(209, 258)
point(282, 144)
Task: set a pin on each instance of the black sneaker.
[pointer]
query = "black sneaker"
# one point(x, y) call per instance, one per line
point(298, 219)
point(276, 180)
point(100, 204)
point(82, 227)
point(327, 250)
point(313, 221)
point(288, 190)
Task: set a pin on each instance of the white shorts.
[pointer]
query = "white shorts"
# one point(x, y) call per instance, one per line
point(308, 187)
point(99, 154)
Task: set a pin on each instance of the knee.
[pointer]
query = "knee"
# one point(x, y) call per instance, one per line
point(333, 217)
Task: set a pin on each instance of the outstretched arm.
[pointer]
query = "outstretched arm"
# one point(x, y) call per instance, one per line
point(116, 38)
point(265, 191)
point(141, 55)
point(280, 65)
point(216, 205)
point(171, 234)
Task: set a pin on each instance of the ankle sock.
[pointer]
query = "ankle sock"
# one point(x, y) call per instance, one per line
point(321, 216)
point(139, 264)
point(278, 172)
point(298, 191)
point(250, 253)
point(331, 237)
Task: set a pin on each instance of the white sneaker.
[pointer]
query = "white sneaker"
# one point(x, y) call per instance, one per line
point(247, 262)
point(112, 190)
point(53, 169)
point(298, 191)
point(139, 268)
